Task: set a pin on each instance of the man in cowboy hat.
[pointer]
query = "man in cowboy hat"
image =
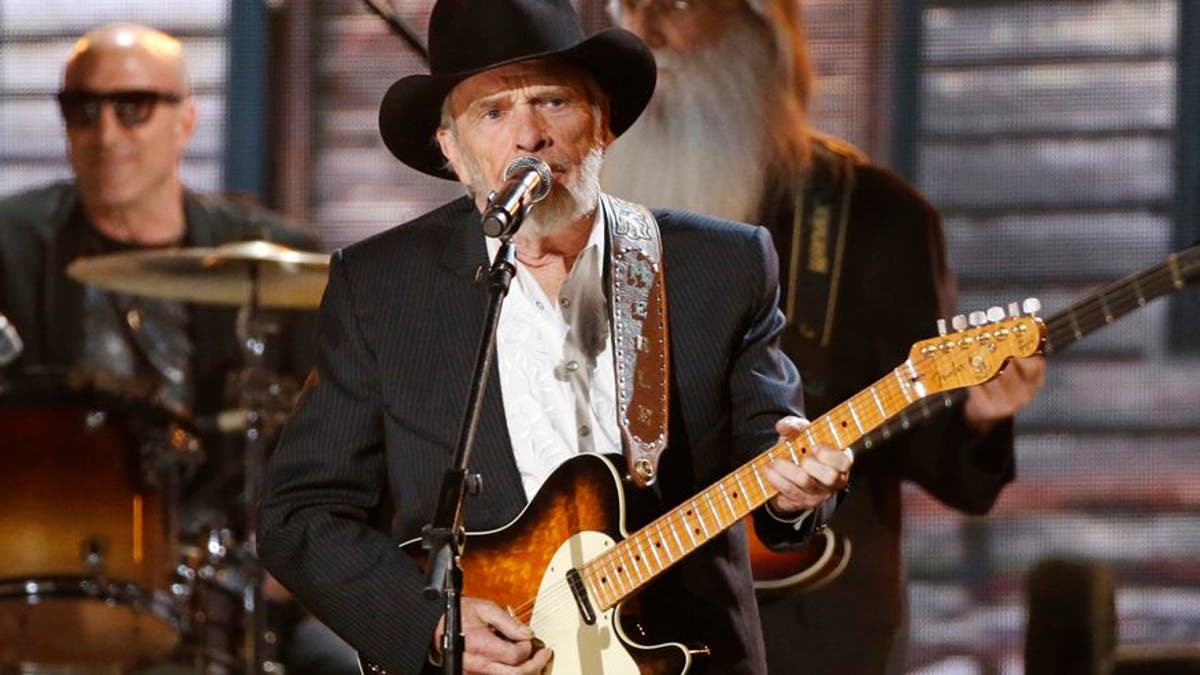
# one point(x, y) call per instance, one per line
point(400, 324)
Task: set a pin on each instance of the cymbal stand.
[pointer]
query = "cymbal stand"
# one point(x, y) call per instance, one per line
point(259, 394)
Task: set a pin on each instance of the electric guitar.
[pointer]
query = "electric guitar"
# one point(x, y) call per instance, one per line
point(823, 558)
point(565, 565)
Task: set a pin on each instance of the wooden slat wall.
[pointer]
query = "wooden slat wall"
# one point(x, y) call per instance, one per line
point(35, 38)
point(1046, 141)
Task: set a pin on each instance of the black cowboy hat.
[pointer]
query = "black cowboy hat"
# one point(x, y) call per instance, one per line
point(467, 37)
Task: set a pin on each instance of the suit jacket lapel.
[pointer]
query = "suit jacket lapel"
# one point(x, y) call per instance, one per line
point(464, 306)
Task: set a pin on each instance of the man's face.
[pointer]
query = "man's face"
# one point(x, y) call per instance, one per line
point(542, 108)
point(682, 27)
point(118, 166)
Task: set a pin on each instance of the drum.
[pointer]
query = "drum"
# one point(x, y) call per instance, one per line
point(86, 557)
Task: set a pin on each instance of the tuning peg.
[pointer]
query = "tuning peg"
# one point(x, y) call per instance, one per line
point(959, 322)
point(941, 325)
point(977, 318)
point(995, 314)
point(1014, 310)
point(1031, 306)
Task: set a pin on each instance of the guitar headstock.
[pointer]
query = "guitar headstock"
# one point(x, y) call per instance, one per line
point(978, 348)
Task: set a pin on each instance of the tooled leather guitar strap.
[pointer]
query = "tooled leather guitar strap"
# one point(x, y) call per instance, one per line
point(638, 307)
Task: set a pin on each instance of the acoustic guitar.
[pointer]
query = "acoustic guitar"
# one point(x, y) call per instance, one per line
point(823, 558)
point(567, 566)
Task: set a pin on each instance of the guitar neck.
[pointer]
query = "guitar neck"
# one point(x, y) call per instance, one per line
point(1067, 327)
point(625, 568)
point(1120, 298)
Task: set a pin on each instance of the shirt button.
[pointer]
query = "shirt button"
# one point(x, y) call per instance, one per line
point(572, 366)
point(585, 430)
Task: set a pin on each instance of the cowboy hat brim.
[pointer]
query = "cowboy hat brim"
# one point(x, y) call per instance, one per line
point(411, 112)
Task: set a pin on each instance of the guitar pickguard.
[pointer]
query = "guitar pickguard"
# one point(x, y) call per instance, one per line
point(579, 648)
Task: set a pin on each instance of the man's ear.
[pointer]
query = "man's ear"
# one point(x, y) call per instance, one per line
point(607, 137)
point(187, 120)
point(449, 147)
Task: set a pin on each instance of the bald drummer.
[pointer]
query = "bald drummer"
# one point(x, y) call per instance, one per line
point(128, 116)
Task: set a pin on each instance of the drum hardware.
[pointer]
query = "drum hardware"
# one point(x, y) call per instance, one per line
point(208, 589)
point(10, 342)
point(253, 275)
point(94, 419)
point(259, 395)
point(93, 556)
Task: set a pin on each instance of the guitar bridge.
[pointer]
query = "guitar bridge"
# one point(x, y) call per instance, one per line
point(579, 591)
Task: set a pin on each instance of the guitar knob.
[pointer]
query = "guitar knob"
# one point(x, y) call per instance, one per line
point(941, 326)
point(959, 322)
point(995, 314)
point(1031, 306)
point(977, 318)
point(1014, 310)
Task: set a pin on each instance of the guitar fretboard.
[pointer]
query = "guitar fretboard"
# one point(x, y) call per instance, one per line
point(625, 568)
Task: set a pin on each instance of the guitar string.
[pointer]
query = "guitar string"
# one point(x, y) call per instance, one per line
point(621, 568)
point(1150, 285)
point(560, 594)
point(1114, 301)
point(1157, 283)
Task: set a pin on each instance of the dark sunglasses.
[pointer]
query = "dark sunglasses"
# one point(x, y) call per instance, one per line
point(81, 108)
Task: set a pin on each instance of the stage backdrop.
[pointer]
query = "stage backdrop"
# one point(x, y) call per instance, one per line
point(1048, 133)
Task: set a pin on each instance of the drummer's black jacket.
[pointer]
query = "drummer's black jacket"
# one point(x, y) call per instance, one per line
point(41, 232)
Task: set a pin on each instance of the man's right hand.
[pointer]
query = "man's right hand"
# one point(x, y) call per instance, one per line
point(496, 642)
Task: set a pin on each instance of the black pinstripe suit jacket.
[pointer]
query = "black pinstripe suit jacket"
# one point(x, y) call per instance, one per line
point(399, 327)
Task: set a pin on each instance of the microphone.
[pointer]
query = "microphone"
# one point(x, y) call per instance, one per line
point(527, 180)
point(10, 343)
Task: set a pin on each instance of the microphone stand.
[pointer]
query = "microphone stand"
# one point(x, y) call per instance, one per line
point(444, 537)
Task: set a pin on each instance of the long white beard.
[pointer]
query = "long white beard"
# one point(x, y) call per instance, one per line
point(701, 144)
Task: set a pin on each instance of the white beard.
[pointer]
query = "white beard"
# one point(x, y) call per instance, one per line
point(701, 144)
point(568, 201)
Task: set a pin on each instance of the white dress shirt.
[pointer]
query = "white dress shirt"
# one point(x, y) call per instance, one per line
point(557, 376)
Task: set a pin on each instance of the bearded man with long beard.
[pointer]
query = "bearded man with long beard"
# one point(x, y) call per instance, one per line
point(726, 134)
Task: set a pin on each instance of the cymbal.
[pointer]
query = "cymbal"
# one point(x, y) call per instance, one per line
point(218, 275)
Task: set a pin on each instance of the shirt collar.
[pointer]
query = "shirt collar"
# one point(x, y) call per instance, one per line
point(595, 241)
